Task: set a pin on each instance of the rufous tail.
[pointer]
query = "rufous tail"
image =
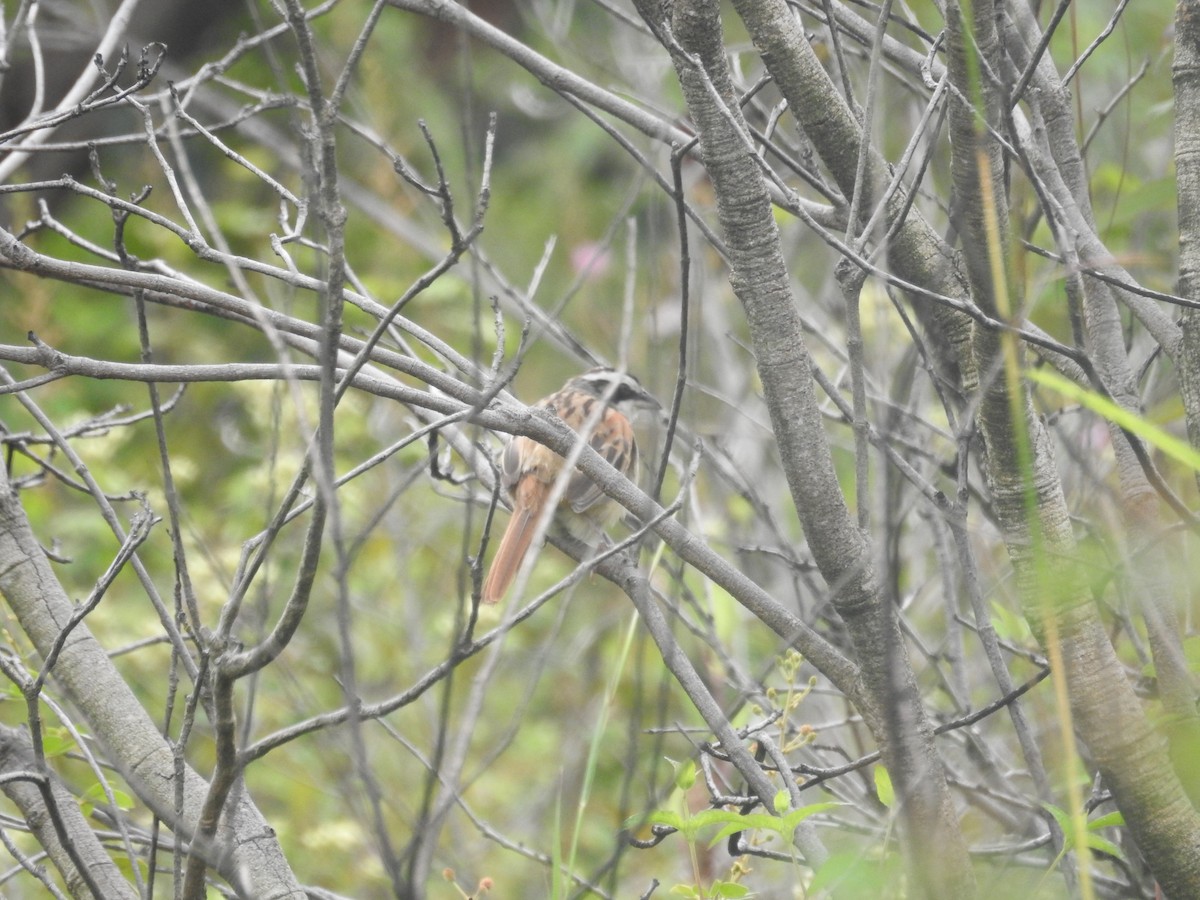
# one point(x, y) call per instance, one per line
point(513, 547)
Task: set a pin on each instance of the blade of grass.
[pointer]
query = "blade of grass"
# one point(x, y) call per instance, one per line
point(589, 771)
point(1179, 450)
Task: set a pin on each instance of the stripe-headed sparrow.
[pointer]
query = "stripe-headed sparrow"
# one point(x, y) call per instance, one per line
point(591, 404)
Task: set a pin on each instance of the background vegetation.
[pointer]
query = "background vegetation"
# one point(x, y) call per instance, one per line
point(918, 618)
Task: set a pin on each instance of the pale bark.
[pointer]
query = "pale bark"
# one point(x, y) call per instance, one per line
point(1030, 507)
point(891, 702)
point(1185, 74)
point(1054, 154)
point(16, 755)
point(246, 852)
point(915, 253)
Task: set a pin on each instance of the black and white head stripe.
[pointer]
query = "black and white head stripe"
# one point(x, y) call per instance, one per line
point(616, 387)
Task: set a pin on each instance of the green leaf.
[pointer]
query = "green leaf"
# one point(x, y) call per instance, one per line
point(1107, 821)
point(686, 890)
point(689, 826)
point(883, 787)
point(1009, 625)
point(95, 794)
point(796, 816)
point(738, 823)
point(1167, 443)
point(850, 874)
point(685, 774)
point(728, 889)
point(122, 862)
point(1095, 841)
point(782, 801)
point(56, 742)
point(1060, 815)
point(1104, 845)
point(784, 826)
point(664, 817)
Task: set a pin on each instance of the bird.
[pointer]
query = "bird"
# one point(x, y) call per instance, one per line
point(593, 402)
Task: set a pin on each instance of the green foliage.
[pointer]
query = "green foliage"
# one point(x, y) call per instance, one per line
point(1179, 450)
point(691, 824)
point(1092, 839)
point(95, 795)
point(1083, 841)
point(56, 741)
point(1011, 626)
point(853, 874)
point(883, 787)
point(718, 889)
point(586, 682)
point(784, 824)
point(726, 822)
point(590, 770)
